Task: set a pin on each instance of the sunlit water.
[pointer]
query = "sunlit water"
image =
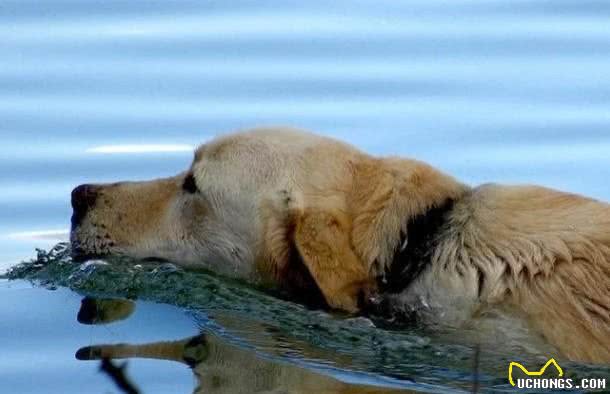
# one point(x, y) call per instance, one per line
point(514, 92)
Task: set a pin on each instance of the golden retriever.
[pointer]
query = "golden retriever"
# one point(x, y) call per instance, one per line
point(321, 219)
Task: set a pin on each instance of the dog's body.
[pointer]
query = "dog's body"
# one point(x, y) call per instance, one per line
point(322, 219)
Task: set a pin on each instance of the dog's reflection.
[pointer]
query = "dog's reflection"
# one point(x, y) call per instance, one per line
point(104, 311)
point(219, 367)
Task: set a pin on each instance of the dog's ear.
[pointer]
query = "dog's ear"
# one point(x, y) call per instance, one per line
point(322, 239)
point(308, 250)
point(387, 195)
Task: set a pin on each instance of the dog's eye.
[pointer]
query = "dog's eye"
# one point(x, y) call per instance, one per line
point(189, 184)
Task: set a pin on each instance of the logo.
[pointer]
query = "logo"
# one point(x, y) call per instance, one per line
point(535, 373)
point(536, 381)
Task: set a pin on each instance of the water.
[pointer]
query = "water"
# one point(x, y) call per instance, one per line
point(514, 92)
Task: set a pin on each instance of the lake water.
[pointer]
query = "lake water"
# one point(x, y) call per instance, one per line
point(488, 90)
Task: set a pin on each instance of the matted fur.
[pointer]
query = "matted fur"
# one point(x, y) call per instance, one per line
point(310, 214)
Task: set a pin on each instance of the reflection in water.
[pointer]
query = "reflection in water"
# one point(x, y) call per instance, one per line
point(117, 374)
point(104, 311)
point(219, 367)
point(47, 235)
point(141, 148)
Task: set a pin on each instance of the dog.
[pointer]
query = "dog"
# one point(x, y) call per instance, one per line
point(321, 220)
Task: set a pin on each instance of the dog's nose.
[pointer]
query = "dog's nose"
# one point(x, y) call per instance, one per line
point(83, 197)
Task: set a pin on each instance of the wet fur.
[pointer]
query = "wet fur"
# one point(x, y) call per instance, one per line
point(315, 216)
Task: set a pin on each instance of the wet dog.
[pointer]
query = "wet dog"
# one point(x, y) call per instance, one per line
point(322, 220)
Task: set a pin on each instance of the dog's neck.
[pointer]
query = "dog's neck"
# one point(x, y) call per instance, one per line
point(414, 252)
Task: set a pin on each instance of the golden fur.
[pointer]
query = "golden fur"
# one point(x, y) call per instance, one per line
point(308, 213)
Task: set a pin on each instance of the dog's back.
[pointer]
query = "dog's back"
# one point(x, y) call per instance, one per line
point(543, 252)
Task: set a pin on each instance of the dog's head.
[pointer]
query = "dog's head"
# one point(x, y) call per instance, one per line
point(265, 205)
point(208, 216)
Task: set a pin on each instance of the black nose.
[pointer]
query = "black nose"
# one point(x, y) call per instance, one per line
point(83, 198)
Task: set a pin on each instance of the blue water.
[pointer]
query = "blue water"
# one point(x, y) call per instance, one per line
point(488, 90)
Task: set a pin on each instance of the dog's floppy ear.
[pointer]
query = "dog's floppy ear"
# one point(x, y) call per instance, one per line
point(322, 239)
point(310, 251)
